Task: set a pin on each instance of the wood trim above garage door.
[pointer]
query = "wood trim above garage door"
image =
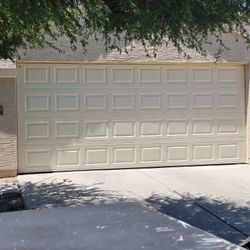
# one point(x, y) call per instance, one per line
point(76, 117)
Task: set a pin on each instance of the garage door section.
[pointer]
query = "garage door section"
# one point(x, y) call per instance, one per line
point(75, 117)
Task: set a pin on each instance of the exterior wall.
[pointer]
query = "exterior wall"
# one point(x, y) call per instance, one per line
point(247, 80)
point(8, 128)
point(7, 69)
point(95, 52)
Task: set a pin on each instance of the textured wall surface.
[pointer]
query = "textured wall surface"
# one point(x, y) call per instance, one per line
point(247, 77)
point(96, 53)
point(6, 64)
point(7, 68)
point(8, 124)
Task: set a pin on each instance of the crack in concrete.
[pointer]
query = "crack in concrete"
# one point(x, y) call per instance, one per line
point(198, 205)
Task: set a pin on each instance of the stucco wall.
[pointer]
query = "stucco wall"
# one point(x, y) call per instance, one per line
point(247, 95)
point(7, 68)
point(8, 126)
point(96, 52)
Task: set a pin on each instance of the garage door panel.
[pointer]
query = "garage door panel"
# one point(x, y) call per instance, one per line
point(74, 117)
point(89, 129)
point(177, 101)
point(37, 75)
point(232, 77)
point(203, 152)
point(123, 75)
point(177, 153)
point(38, 157)
point(228, 151)
point(196, 102)
point(229, 76)
point(97, 156)
point(151, 101)
point(66, 75)
point(37, 102)
point(37, 130)
point(123, 102)
point(176, 76)
point(151, 128)
point(230, 126)
point(203, 126)
point(67, 102)
point(123, 129)
point(150, 75)
point(67, 129)
point(202, 76)
point(96, 129)
point(139, 129)
point(177, 127)
point(95, 75)
point(126, 155)
point(95, 102)
point(230, 100)
point(151, 154)
point(203, 100)
point(70, 157)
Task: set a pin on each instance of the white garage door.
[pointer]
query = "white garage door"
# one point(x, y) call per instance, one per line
point(76, 117)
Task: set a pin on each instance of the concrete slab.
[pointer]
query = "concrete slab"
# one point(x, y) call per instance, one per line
point(222, 192)
point(226, 182)
point(114, 226)
point(213, 198)
point(77, 188)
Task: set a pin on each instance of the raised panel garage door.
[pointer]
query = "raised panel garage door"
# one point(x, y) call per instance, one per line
point(76, 117)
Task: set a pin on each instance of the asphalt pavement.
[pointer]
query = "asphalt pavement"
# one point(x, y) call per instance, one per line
point(123, 226)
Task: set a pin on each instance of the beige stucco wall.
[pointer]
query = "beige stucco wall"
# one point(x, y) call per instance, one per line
point(96, 52)
point(7, 69)
point(8, 127)
point(247, 96)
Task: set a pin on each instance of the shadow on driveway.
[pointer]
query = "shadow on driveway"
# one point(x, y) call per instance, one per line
point(65, 193)
point(221, 218)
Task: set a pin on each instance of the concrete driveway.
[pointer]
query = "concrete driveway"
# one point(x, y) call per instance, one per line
point(215, 199)
point(123, 226)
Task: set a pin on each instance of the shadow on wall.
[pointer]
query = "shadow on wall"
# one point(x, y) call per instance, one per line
point(96, 51)
point(237, 49)
point(224, 219)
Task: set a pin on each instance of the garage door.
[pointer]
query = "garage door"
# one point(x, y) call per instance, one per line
point(77, 117)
